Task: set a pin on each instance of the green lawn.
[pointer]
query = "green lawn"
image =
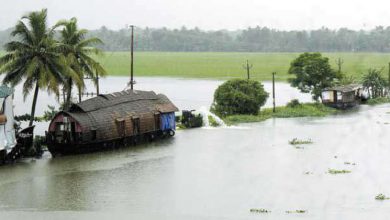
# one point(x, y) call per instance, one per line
point(227, 65)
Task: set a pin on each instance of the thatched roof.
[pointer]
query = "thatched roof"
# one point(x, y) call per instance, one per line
point(345, 88)
point(97, 112)
point(134, 100)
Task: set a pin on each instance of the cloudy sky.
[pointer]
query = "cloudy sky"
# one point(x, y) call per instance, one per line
point(207, 14)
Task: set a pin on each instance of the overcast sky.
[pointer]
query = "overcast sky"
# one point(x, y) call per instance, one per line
point(207, 14)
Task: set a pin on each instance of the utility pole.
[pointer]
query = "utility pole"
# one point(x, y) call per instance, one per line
point(247, 67)
point(132, 57)
point(273, 91)
point(339, 63)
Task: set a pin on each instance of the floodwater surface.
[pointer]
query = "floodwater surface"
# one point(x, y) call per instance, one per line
point(216, 173)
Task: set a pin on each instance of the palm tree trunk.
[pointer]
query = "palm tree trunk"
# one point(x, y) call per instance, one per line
point(34, 104)
point(79, 88)
point(68, 94)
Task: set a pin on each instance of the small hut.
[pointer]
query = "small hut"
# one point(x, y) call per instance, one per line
point(342, 97)
point(111, 120)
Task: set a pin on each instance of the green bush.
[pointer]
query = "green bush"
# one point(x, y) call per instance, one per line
point(239, 96)
point(293, 103)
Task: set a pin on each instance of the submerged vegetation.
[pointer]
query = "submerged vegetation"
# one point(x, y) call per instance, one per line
point(301, 110)
point(334, 171)
point(296, 141)
point(259, 210)
point(212, 121)
point(381, 197)
point(296, 211)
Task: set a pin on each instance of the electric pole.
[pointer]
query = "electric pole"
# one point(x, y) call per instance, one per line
point(247, 67)
point(132, 57)
point(273, 91)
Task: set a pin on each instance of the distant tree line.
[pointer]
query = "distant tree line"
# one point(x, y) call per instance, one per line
point(257, 39)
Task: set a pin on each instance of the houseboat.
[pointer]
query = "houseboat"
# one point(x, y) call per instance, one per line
point(111, 120)
point(342, 97)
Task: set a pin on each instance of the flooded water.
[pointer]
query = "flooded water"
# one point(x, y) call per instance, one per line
point(215, 173)
point(185, 93)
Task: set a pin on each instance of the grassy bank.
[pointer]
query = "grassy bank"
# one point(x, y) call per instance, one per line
point(303, 110)
point(218, 65)
point(378, 101)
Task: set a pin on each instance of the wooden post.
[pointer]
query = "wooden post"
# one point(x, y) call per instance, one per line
point(273, 91)
point(131, 57)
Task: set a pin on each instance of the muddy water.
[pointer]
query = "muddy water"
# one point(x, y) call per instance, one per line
point(216, 173)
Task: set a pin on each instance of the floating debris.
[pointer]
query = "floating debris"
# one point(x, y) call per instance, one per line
point(299, 147)
point(349, 163)
point(296, 141)
point(308, 173)
point(259, 210)
point(334, 171)
point(297, 211)
point(381, 196)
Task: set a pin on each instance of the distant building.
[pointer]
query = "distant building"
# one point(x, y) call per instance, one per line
point(111, 120)
point(342, 96)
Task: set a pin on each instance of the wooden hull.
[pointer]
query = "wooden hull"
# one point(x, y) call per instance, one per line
point(79, 148)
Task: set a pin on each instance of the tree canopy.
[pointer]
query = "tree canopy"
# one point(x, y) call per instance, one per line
point(78, 50)
point(312, 73)
point(34, 57)
point(239, 96)
point(251, 39)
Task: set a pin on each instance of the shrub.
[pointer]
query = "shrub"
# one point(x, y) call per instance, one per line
point(239, 97)
point(293, 103)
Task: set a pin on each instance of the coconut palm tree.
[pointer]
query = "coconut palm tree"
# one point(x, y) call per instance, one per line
point(374, 82)
point(78, 50)
point(34, 57)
